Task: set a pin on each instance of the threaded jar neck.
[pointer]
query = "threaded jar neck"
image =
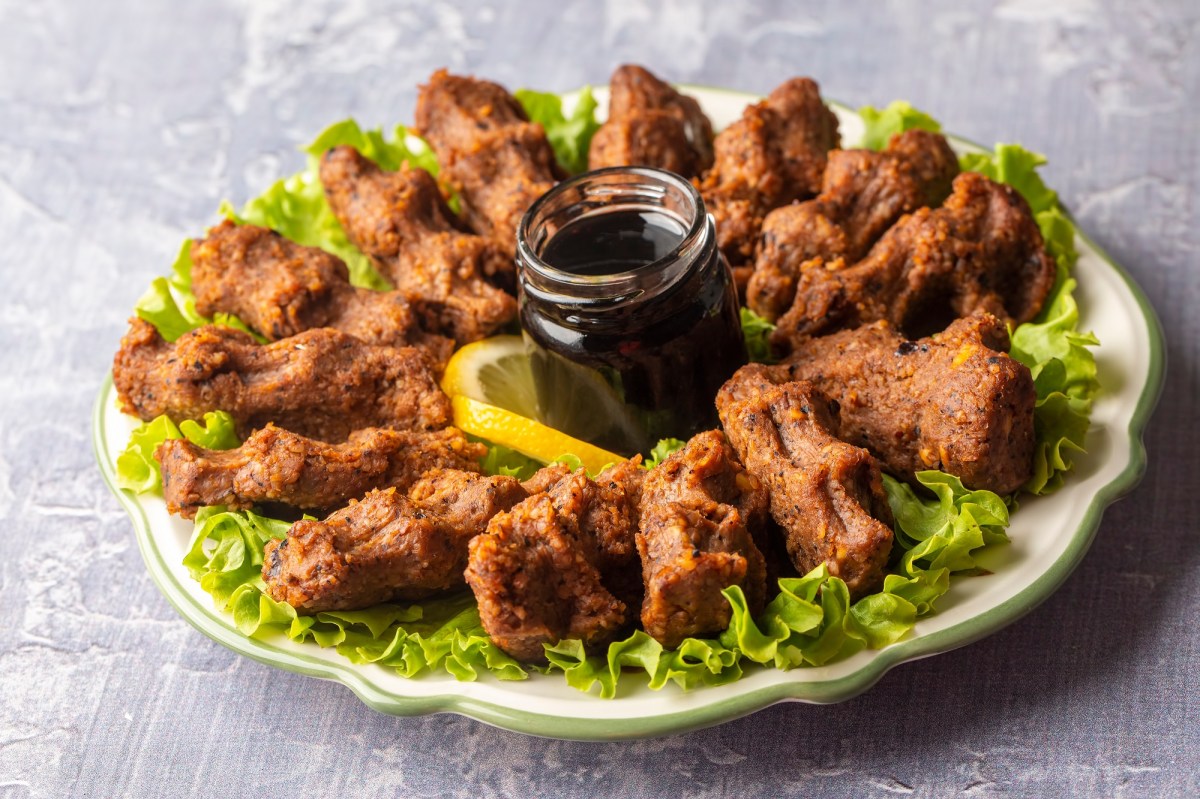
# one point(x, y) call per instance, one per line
point(585, 201)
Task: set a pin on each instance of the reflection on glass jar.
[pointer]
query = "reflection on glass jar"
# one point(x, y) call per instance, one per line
point(629, 310)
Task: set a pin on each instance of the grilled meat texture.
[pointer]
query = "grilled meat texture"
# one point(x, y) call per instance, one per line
point(825, 494)
point(490, 153)
point(551, 568)
point(401, 220)
point(954, 401)
point(651, 124)
point(775, 154)
point(981, 251)
point(280, 288)
point(320, 383)
point(274, 465)
point(386, 547)
point(863, 193)
point(610, 511)
point(701, 512)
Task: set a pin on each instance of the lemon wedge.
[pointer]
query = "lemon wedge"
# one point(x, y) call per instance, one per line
point(493, 396)
point(496, 371)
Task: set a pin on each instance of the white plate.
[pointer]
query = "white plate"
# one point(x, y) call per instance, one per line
point(1050, 535)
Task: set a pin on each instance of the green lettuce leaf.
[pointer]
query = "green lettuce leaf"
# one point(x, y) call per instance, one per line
point(502, 460)
point(570, 136)
point(505, 461)
point(757, 333)
point(662, 450)
point(898, 117)
point(1016, 166)
point(388, 155)
point(138, 470)
point(945, 531)
point(1064, 375)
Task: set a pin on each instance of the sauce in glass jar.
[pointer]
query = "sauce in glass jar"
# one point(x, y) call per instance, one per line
point(629, 310)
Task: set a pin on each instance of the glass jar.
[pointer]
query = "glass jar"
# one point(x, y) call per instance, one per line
point(628, 308)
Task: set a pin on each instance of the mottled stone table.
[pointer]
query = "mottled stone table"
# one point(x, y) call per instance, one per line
point(123, 124)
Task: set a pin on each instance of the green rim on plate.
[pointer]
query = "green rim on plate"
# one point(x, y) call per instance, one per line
point(218, 626)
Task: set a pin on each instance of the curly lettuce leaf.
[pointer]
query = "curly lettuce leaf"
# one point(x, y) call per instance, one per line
point(662, 450)
point(1064, 375)
point(693, 663)
point(505, 461)
point(137, 468)
point(899, 116)
point(1016, 166)
point(226, 557)
point(569, 137)
point(943, 532)
point(756, 332)
point(388, 154)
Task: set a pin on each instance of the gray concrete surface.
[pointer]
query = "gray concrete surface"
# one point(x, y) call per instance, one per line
point(122, 124)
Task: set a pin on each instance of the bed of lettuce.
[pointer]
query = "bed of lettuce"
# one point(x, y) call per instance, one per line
point(940, 529)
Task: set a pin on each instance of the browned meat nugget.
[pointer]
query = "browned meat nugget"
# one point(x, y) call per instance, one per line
point(319, 383)
point(981, 250)
point(274, 465)
point(386, 547)
point(549, 568)
point(700, 514)
point(773, 155)
point(280, 288)
point(862, 195)
point(651, 124)
point(545, 478)
point(827, 495)
point(955, 401)
point(610, 511)
point(464, 501)
point(490, 153)
point(401, 220)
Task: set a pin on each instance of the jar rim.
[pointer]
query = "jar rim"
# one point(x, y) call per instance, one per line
point(528, 255)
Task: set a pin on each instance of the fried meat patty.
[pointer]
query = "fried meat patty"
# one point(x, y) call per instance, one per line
point(954, 401)
point(320, 383)
point(863, 193)
point(825, 494)
point(275, 465)
point(280, 288)
point(701, 512)
point(547, 570)
point(980, 251)
point(774, 154)
point(489, 152)
point(651, 124)
point(401, 220)
point(386, 547)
